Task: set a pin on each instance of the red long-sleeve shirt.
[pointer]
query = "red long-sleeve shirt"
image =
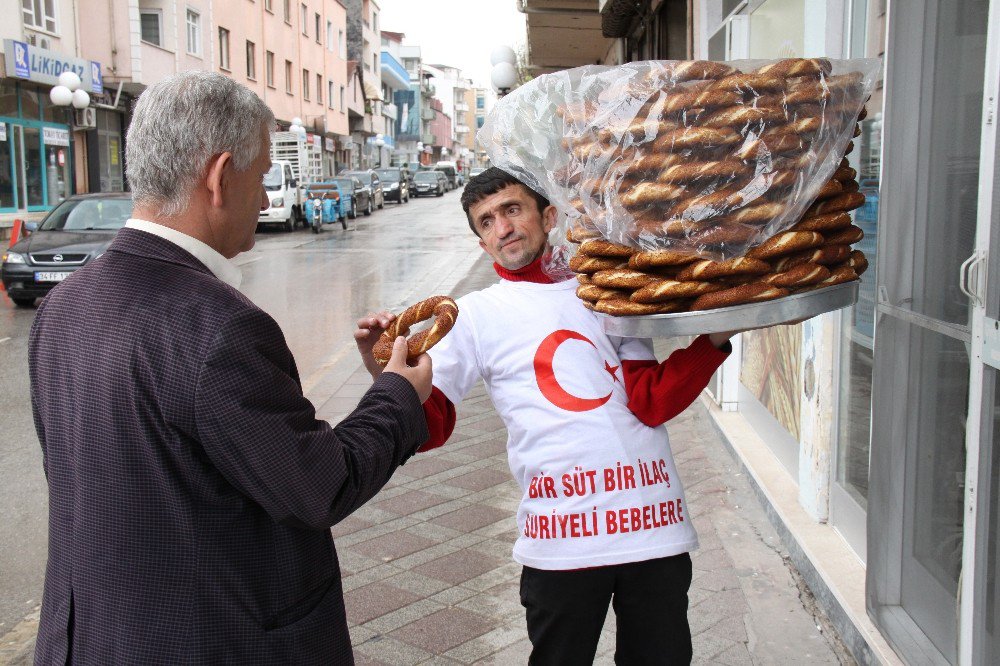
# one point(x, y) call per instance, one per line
point(657, 392)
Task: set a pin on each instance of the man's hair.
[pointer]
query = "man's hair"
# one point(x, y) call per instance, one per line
point(178, 124)
point(489, 183)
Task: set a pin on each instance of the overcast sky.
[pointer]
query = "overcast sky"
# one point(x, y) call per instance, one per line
point(461, 33)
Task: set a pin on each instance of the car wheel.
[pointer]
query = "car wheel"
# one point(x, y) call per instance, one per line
point(368, 210)
point(22, 301)
point(290, 223)
point(354, 210)
point(382, 202)
point(440, 192)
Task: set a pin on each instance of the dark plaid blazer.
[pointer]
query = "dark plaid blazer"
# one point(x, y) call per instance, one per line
point(191, 487)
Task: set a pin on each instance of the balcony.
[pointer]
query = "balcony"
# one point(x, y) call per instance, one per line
point(462, 107)
point(390, 111)
point(461, 129)
point(427, 113)
point(393, 73)
point(428, 139)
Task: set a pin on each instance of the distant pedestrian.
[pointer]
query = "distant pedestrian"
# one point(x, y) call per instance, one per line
point(191, 487)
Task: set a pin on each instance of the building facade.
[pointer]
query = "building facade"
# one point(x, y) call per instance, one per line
point(872, 434)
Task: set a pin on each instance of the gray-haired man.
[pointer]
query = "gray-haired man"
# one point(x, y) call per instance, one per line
point(191, 487)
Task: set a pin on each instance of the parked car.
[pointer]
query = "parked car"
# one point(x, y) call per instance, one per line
point(370, 179)
point(74, 233)
point(430, 182)
point(450, 170)
point(395, 184)
point(354, 196)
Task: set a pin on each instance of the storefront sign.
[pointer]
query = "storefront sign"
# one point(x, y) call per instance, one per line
point(53, 136)
point(317, 142)
point(3, 131)
point(24, 61)
point(328, 143)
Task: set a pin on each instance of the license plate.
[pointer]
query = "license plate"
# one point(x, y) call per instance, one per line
point(50, 277)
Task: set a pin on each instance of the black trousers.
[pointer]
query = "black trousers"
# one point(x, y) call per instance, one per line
point(566, 611)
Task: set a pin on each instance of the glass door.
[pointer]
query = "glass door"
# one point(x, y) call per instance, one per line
point(929, 208)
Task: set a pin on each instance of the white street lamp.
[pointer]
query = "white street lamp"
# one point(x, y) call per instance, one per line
point(297, 121)
point(69, 79)
point(61, 96)
point(503, 54)
point(503, 76)
point(81, 100)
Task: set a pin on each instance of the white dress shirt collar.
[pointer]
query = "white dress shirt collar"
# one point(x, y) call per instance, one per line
point(215, 262)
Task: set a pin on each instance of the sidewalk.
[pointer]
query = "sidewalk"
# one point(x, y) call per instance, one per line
point(427, 567)
point(429, 578)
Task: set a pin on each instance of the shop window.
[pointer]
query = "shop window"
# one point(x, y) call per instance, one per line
point(39, 14)
point(7, 200)
point(31, 103)
point(151, 26)
point(33, 165)
point(8, 99)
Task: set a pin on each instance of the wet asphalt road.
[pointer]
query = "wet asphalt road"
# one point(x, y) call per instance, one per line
point(315, 286)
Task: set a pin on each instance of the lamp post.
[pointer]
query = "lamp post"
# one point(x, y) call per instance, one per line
point(503, 76)
point(379, 144)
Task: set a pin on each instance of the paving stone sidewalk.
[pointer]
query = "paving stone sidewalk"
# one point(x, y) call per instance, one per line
point(429, 578)
point(428, 574)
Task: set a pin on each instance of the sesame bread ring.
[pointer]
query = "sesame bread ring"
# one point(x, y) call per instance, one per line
point(442, 308)
point(660, 291)
point(863, 114)
point(726, 233)
point(705, 99)
point(826, 255)
point(839, 275)
point(844, 173)
point(738, 116)
point(707, 269)
point(774, 141)
point(598, 247)
point(843, 202)
point(830, 188)
point(713, 203)
point(640, 129)
point(626, 308)
point(786, 242)
point(581, 263)
point(584, 278)
point(646, 194)
point(750, 84)
point(579, 233)
point(794, 67)
point(660, 258)
point(621, 278)
point(798, 276)
point(655, 162)
point(696, 70)
point(754, 292)
point(684, 173)
point(823, 223)
point(757, 214)
point(698, 138)
point(593, 293)
point(858, 261)
point(848, 236)
point(850, 148)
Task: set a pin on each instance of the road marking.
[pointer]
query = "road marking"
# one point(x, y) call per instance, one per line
point(3, 340)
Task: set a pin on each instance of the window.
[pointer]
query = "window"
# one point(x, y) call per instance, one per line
point(288, 77)
point(341, 47)
point(267, 6)
point(269, 68)
point(305, 20)
point(40, 14)
point(193, 32)
point(341, 99)
point(329, 94)
point(251, 61)
point(305, 84)
point(151, 26)
point(319, 88)
point(319, 31)
point(329, 36)
point(224, 49)
point(375, 63)
point(375, 22)
point(480, 102)
point(479, 121)
point(288, 11)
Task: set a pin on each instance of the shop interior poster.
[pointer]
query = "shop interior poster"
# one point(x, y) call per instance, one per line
point(772, 358)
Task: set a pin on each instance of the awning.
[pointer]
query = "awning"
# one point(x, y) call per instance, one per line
point(371, 92)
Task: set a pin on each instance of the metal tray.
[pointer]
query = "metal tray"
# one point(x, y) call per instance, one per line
point(734, 318)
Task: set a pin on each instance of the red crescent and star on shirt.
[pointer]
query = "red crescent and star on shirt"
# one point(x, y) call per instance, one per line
point(546, 377)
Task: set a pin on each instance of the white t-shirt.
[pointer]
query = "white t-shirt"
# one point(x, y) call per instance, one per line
point(598, 486)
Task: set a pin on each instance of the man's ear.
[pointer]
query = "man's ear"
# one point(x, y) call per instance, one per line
point(483, 246)
point(219, 167)
point(549, 218)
